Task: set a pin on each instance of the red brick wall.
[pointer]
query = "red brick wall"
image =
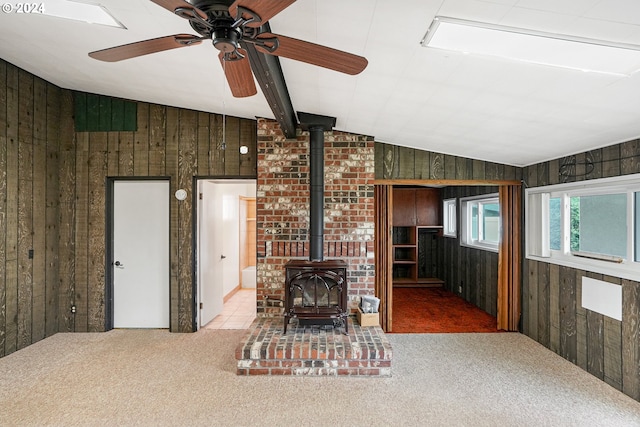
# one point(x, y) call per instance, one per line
point(282, 208)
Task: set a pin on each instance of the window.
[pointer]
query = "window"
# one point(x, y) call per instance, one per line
point(591, 225)
point(481, 222)
point(449, 218)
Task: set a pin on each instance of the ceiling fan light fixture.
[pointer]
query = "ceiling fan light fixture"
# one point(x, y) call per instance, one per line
point(530, 46)
point(91, 13)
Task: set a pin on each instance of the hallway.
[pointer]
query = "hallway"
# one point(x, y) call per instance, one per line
point(238, 312)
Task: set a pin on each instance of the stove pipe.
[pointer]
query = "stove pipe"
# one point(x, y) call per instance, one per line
point(316, 193)
point(316, 125)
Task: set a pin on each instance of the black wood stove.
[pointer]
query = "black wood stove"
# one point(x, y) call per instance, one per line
point(316, 290)
point(316, 293)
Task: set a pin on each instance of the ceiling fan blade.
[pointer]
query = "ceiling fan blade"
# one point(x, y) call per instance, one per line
point(239, 75)
point(172, 5)
point(145, 47)
point(315, 54)
point(266, 9)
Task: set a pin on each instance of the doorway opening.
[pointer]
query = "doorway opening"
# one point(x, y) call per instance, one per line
point(225, 253)
point(399, 261)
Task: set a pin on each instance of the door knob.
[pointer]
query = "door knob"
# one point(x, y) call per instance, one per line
point(222, 257)
point(118, 264)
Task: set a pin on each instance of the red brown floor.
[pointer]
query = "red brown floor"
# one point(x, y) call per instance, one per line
point(436, 310)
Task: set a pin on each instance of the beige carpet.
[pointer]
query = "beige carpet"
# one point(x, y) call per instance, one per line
point(154, 378)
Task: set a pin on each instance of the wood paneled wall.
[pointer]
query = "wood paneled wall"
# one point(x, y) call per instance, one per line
point(393, 162)
point(552, 312)
point(473, 269)
point(170, 142)
point(52, 201)
point(31, 114)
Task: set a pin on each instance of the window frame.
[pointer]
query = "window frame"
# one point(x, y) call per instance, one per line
point(466, 239)
point(450, 218)
point(537, 226)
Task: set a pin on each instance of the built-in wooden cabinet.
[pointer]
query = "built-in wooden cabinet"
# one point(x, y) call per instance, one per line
point(416, 211)
point(416, 207)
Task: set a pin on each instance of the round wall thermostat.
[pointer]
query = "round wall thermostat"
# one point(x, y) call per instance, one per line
point(181, 194)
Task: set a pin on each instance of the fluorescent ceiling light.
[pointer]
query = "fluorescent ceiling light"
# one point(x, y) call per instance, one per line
point(93, 13)
point(533, 46)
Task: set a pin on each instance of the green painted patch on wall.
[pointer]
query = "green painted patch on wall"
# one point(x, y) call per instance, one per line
point(98, 113)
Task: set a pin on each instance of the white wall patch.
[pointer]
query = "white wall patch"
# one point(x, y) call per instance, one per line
point(602, 297)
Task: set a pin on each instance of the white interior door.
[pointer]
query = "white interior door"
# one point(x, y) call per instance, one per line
point(210, 262)
point(141, 254)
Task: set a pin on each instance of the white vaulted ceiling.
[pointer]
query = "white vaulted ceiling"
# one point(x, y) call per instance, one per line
point(484, 108)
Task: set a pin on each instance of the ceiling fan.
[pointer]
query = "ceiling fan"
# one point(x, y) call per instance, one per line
point(230, 26)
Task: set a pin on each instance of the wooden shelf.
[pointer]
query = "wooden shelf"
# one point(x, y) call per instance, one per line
point(415, 210)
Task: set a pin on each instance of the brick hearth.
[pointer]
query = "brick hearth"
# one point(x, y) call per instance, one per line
point(314, 351)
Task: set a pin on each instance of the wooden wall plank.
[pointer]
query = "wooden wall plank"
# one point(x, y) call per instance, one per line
point(80, 110)
point(437, 166)
point(379, 149)
point(25, 208)
point(141, 142)
point(104, 114)
point(596, 172)
point(464, 168)
point(204, 142)
point(97, 171)
point(172, 122)
point(67, 200)
point(117, 115)
point(470, 283)
point(542, 174)
point(81, 232)
point(130, 115)
point(612, 344)
point(157, 140)
point(217, 159)
point(611, 161)
point(113, 143)
point(39, 207)
point(232, 150)
point(543, 303)
point(93, 111)
point(125, 154)
point(422, 164)
point(630, 157)
point(582, 335)
point(630, 341)
point(554, 308)
point(187, 167)
point(52, 212)
point(554, 171)
point(492, 267)
point(478, 169)
point(449, 167)
point(511, 173)
point(613, 352)
point(568, 343)
point(533, 299)
point(3, 204)
point(406, 166)
point(595, 344)
point(11, 266)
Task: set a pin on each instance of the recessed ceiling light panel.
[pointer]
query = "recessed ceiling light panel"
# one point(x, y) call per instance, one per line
point(531, 46)
point(92, 13)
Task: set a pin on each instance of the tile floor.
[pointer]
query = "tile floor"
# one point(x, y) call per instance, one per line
point(238, 312)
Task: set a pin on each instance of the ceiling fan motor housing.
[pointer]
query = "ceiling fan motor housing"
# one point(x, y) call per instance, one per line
point(226, 39)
